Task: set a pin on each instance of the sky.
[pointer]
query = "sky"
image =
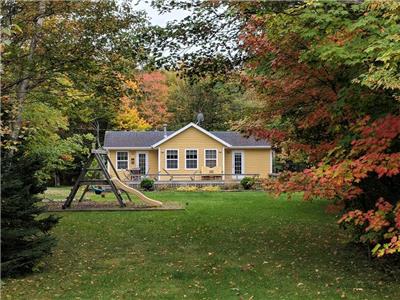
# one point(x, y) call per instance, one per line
point(156, 18)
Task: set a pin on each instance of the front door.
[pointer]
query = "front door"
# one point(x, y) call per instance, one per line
point(237, 165)
point(142, 163)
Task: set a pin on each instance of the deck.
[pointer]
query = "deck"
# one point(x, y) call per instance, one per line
point(197, 179)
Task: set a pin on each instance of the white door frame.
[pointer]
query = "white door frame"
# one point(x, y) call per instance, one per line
point(147, 160)
point(238, 176)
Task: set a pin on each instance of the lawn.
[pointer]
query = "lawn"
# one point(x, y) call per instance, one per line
point(225, 245)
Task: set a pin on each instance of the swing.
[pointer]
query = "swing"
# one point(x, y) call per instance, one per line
point(97, 190)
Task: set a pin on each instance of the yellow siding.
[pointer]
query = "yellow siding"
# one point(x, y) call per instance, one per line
point(256, 161)
point(190, 139)
point(228, 163)
point(153, 161)
point(133, 163)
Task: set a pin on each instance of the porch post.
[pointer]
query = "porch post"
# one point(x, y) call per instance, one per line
point(223, 163)
point(271, 158)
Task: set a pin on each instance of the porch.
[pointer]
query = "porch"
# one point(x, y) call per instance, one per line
point(196, 179)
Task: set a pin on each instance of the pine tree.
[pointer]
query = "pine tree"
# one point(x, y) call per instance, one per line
point(25, 237)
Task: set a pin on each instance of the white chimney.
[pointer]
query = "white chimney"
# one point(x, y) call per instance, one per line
point(165, 130)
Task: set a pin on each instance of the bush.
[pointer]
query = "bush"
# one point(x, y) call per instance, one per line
point(247, 183)
point(147, 184)
point(378, 228)
point(231, 186)
point(210, 188)
point(187, 188)
point(164, 187)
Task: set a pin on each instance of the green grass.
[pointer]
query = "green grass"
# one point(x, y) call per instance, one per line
point(226, 245)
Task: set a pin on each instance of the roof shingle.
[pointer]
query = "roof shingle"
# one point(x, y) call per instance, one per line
point(132, 139)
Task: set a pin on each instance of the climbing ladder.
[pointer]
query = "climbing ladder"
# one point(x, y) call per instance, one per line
point(100, 156)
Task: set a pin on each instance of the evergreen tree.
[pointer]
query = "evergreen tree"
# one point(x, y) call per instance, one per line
point(25, 237)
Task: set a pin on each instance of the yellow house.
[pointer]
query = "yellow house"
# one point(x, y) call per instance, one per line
point(188, 154)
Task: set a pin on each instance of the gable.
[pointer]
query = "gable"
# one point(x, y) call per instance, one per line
point(195, 128)
point(191, 138)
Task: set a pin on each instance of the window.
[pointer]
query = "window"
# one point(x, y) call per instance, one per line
point(210, 158)
point(237, 163)
point(142, 163)
point(172, 159)
point(122, 160)
point(191, 159)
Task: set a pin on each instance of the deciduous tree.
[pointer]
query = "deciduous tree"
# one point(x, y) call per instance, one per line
point(326, 74)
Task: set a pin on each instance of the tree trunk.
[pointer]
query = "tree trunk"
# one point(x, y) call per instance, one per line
point(56, 179)
point(23, 87)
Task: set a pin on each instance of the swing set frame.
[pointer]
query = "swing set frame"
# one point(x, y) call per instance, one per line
point(95, 155)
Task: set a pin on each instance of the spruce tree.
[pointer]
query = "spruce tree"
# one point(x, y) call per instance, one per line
point(25, 237)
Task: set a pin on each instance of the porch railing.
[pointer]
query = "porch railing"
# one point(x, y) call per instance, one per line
point(198, 176)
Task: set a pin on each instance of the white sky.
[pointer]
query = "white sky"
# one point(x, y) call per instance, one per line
point(156, 18)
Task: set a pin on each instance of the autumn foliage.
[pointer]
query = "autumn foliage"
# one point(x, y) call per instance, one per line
point(128, 116)
point(331, 104)
point(379, 226)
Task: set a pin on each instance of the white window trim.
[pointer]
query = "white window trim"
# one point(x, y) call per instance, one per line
point(116, 160)
point(223, 163)
point(238, 176)
point(216, 157)
point(147, 160)
point(165, 157)
point(197, 160)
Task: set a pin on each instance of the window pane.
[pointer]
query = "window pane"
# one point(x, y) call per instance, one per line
point(172, 164)
point(191, 164)
point(191, 154)
point(122, 165)
point(211, 163)
point(122, 155)
point(172, 154)
point(210, 154)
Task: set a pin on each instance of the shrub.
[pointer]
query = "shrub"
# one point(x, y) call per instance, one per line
point(378, 228)
point(147, 184)
point(164, 187)
point(231, 186)
point(211, 188)
point(187, 188)
point(247, 183)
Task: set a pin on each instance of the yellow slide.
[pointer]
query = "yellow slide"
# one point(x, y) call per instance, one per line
point(120, 185)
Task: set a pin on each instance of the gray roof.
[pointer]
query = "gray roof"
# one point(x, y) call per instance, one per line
point(236, 139)
point(130, 139)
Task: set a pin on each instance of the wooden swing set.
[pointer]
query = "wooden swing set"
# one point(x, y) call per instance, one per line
point(101, 157)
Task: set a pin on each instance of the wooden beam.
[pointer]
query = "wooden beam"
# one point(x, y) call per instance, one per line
point(94, 182)
point(99, 151)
